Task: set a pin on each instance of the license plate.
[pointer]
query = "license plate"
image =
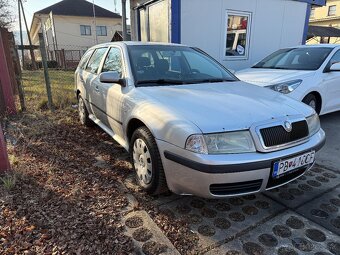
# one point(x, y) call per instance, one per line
point(284, 166)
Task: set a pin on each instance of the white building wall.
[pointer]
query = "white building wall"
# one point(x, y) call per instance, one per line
point(275, 24)
point(68, 31)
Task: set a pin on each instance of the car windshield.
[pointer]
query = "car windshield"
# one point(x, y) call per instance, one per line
point(155, 65)
point(295, 59)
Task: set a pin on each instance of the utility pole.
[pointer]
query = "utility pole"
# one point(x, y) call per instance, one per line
point(95, 22)
point(21, 38)
point(47, 77)
point(124, 20)
point(115, 6)
point(29, 37)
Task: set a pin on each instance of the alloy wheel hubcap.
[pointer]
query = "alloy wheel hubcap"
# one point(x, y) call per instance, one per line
point(312, 104)
point(142, 161)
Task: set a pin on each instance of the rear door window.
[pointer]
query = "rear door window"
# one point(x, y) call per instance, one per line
point(85, 59)
point(95, 60)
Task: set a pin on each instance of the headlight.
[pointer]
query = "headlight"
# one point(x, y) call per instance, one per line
point(313, 124)
point(196, 143)
point(286, 87)
point(221, 143)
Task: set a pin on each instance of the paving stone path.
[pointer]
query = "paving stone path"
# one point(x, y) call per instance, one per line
point(302, 217)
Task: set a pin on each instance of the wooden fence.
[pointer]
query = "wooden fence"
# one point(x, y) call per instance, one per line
point(67, 59)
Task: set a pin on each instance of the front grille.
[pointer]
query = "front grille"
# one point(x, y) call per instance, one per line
point(274, 136)
point(235, 188)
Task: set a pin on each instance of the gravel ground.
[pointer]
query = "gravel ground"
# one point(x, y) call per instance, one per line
point(68, 196)
point(74, 193)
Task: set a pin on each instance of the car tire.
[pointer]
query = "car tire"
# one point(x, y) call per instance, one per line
point(147, 162)
point(83, 113)
point(312, 101)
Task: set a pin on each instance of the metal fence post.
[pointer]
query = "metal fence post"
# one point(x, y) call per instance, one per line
point(47, 77)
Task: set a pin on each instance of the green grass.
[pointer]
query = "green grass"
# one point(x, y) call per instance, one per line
point(8, 181)
point(62, 86)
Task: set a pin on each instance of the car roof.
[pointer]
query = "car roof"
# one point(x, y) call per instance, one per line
point(134, 43)
point(324, 45)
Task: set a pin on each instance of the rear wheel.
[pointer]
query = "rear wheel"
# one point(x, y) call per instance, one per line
point(83, 113)
point(147, 162)
point(312, 101)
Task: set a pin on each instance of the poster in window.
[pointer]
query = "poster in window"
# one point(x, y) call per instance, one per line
point(237, 35)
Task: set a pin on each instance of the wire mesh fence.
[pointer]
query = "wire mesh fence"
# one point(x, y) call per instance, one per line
point(61, 65)
point(62, 89)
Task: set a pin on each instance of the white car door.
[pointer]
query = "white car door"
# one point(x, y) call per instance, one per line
point(112, 94)
point(331, 84)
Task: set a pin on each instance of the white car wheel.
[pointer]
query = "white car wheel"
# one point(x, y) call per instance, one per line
point(312, 101)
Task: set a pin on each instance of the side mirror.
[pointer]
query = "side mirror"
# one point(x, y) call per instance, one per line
point(111, 77)
point(335, 67)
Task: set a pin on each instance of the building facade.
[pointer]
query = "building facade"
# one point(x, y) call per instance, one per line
point(70, 27)
point(327, 16)
point(237, 33)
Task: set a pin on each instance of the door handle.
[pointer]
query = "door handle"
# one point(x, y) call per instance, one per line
point(96, 88)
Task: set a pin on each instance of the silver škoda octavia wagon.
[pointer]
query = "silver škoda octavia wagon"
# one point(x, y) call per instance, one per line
point(190, 125)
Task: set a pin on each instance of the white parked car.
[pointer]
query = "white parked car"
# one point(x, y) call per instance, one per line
point(308, 73)
point(192, 126)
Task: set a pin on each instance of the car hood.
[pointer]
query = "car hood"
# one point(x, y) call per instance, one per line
point(225, 106)
point(264, 77)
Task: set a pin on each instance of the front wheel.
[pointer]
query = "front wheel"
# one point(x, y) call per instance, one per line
point(312, 101)
point(147, 162)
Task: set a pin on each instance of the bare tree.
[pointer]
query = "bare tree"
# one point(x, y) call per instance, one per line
point(6, 17)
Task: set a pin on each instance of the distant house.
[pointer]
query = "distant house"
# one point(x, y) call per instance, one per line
point(70, 27)
point(118, 36)
point(325, 23)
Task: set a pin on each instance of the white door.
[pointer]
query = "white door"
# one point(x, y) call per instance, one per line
point(331, 84)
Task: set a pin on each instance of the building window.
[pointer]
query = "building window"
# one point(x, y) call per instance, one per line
point(332, 10)
point(85, 30)
point(238, 35)
point(312, 13)
point(101, 31)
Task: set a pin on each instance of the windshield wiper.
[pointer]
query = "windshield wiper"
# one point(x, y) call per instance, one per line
point(211, 80)
point(271, 67)
point(161, 82)
point(283, 68)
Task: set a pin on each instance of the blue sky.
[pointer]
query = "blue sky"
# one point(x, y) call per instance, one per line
point(31, 6)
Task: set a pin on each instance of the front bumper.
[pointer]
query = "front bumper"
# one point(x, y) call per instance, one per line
point(188, 173)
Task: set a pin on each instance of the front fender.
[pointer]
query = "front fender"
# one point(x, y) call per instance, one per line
point(163, 124)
